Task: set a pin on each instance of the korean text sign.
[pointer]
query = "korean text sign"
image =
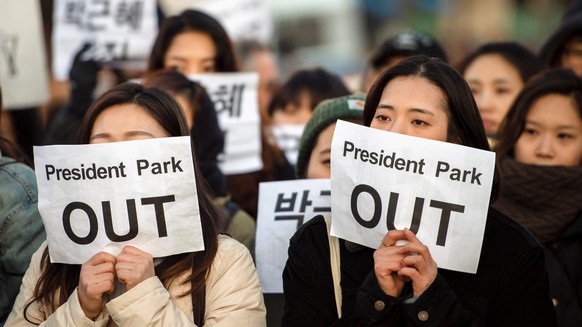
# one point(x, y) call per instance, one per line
point(236, 102)
point(283, 207)
point(383, 181)
point(119, 32)
point(101, 197)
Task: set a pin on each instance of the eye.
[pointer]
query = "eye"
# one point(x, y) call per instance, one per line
point(565, 136)
point(382, 118)
point(530, 131)
point(503, 91)
point(209, 69)
point(326, 162)
point(474, 91)
point(419, 122)
point(176, 68)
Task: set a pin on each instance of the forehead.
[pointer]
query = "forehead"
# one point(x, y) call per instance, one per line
point(491, 65)
point(414, 92)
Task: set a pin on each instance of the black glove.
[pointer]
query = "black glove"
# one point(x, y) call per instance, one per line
point(83, 79)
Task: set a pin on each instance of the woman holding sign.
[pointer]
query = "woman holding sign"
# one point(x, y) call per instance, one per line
point(399, 284)
point(540, 152)
point(217, 286)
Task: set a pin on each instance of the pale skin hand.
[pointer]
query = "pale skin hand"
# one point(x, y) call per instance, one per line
point(97, 278)
point(388, 262)
point(416, 264)
point(134, 266)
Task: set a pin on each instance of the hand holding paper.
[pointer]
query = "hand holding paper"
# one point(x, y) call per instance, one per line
point(134, 266)
point(97, 277)
point(388, 262)
point(418, 264)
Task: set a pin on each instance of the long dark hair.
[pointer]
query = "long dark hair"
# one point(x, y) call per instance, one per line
point(58, 281)
point(194, 20)
point(554, 81)
point(465, 125)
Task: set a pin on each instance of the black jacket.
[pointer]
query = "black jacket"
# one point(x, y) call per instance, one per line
point(564, 266)
point(509, 289)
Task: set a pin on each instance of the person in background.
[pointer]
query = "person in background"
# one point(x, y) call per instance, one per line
point(194, 42)
point(256, 57)
point(209, 143)
point(540, 155)
point(401, 285)
point(217, 286)
point(21, 227)
point(313, 160)
point(294, 103)
point(563, 48)
point(496, 73)
point(314, 157)
point(395, 49)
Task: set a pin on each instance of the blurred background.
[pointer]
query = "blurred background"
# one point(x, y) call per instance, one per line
point(338, 35)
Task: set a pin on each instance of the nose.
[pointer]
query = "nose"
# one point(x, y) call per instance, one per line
point(398, 126)
point(545, 148)
point(485, 101)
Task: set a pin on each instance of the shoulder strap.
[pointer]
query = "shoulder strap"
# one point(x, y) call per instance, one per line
point(334, 258)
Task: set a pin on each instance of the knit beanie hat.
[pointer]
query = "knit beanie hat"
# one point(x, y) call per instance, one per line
point(326, 113)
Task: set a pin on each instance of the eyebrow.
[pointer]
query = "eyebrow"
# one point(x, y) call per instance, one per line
point(130, 133)
point(419, 110)
point(559, 126)
point(180, 58)
point(495, 81)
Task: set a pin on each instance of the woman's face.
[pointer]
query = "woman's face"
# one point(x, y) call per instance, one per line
point(319, 161)
point(125, 122)
point(552, 134)
point(495, 84)
point(412, 106)
point(191, 53)
point(572, 56)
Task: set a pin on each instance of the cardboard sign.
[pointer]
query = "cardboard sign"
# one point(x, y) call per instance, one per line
point(23, 65)
point(283, 208)
point(383, 181)
point(288, 137)
point(121, 32)
point(242, 19)
point(236, 102)
point(101, 197)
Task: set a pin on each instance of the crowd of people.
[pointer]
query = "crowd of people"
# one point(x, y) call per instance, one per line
point(502, 97)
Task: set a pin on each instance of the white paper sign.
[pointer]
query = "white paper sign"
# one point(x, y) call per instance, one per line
point(439, 190)
point(236, 101)
point(283, 207)
point(121, 32)
point(242, 19)
point(23, 68)
point(101, 197)
point(288, 137)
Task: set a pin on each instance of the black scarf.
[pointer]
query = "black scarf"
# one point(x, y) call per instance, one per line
point(544, 199)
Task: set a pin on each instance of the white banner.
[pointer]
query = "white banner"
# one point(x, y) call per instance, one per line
point(121, 32)
point(242, 19)
point(101, 197)
point(236, 101)
point(23, 68)
point(383, 181)
point(283, 207)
